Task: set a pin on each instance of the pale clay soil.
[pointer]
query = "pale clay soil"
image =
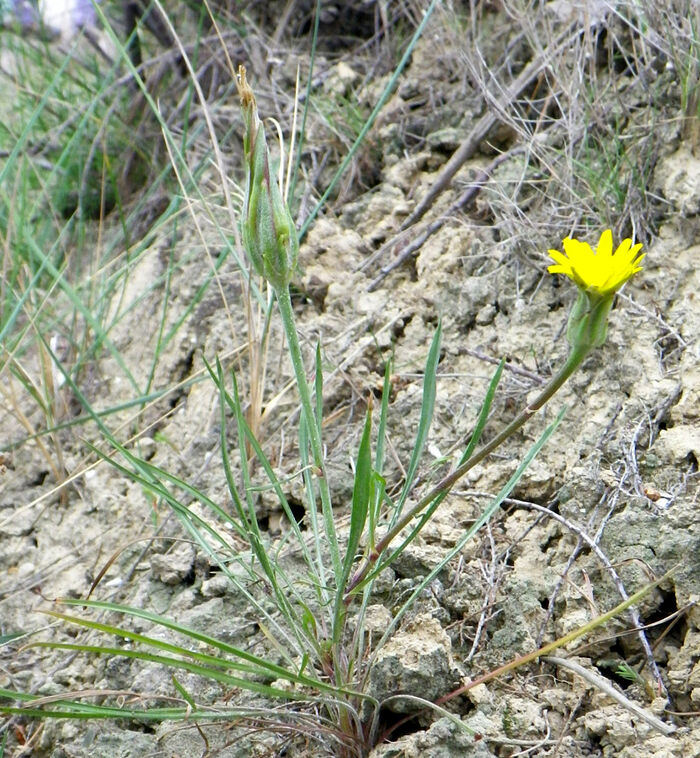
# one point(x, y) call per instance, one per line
point(621, 467)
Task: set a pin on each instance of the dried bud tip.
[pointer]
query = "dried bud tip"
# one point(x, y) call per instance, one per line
point(244, 90)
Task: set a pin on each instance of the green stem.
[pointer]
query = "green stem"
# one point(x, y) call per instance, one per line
point(444, 485)
point(287, 313)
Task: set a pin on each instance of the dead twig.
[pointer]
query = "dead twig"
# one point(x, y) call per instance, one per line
point(490, 574)
point(605, 686)
point(462, 201)
point(508, 365)
point(593, 545)
point(575, 554)
point(488, 121)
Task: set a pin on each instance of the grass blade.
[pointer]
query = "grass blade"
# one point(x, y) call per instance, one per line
point(426, 418)
point(485, 516)
point(388, 89)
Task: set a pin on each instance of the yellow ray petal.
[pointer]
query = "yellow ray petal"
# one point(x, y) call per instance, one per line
point(601, 271)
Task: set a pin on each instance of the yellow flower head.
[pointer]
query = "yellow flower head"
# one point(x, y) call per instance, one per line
point(602, 271)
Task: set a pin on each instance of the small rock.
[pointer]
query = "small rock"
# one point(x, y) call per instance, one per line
point(676, 443)
point(147, 447)
point(20, 524)
point(479, 694)
point(216, 586)
point(486, 314)
point(416, 661)
point(444, 739)
point(448, 139)
point(341, 81)
point(174, 567)
point(377, 619)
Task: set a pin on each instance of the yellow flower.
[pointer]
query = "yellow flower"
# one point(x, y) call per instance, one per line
point(602, 271)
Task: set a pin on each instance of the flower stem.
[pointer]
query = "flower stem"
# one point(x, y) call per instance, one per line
point(287, 313)
point(574, 360)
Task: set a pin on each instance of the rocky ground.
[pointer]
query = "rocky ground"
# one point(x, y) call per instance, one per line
point(620, 471)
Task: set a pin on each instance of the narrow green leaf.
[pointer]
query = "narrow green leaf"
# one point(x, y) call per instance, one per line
point(185, 694)
point(234, 403)
point(208, 672)
point(318, 390)
point(483, 413)
point(243, 661)
point(360, 496)
point(5, 638)
point(311, 510)
point(383, 417)
point(377, 497)
point(386, 93)
point(362, 489)
point(378, 481)
point(426, 417)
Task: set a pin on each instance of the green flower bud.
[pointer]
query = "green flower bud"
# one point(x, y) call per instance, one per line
point(267, 228)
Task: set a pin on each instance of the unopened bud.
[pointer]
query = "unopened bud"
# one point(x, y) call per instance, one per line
point(269, 235)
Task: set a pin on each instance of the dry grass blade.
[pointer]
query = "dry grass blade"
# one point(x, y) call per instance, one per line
point(487, 122)
point(417, 241)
